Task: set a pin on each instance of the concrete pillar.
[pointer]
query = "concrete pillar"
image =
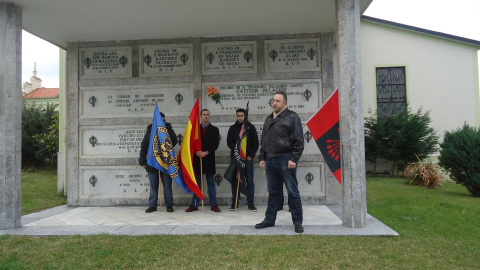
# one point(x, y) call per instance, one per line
point(72, 147)
point(351, 114)
point(331, 183)
point(10, 115)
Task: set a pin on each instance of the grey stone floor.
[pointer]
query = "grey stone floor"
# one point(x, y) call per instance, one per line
point(132, 220)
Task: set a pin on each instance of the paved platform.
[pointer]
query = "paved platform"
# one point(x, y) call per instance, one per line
point(132, 220)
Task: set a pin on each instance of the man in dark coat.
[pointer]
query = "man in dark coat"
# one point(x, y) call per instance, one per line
point(252, 147)
point(282, 147)
point(153, 173)
point(210, 142)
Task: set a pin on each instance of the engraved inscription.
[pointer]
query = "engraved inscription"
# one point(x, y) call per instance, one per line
point(290, 55)
point(165, 60)
point(105, 62)
point(112, 142)
point(128, 183)
point(229, 57)
point(259, 94)
point(136, 100)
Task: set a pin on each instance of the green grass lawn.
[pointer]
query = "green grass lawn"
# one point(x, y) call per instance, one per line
point(39, 191)
point(439, 229)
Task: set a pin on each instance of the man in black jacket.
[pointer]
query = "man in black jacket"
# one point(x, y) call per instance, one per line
point(153, 173)
point(252, 147)
point(282, 146)
point(210, 141)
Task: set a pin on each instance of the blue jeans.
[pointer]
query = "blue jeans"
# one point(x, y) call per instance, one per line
point(250, 184)
point(212, 195)
point(277, 172)
point(167, 189)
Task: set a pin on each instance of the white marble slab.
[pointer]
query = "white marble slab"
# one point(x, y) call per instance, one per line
point(292, 55)
point(135, 100)
point(166, 60)
point(229, 57)
point(304, 96)
point(105, 62)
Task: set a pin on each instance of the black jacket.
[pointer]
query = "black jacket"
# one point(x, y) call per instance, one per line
point(210, 143)
point(252, 140)
point(281, 135)
point(142, 160)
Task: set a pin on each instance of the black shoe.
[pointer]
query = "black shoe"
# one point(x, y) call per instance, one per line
point(252, 207)
point(169, 209)
point(232, 208)
point(280, 208)
point(151, 209)
point(299, 228)
point(263, 225)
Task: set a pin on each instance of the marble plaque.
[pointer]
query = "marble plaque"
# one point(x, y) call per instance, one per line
point(117, 141)
point(229, 57)
point(135, 100)
point(105, 62)
point(114, 182)
point(292, 55)
point(303, 96)
point(166, 60)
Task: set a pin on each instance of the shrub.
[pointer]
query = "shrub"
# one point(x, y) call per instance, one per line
point(400, 137)
point(423, 174)
point(460, 156)
point(38, 134)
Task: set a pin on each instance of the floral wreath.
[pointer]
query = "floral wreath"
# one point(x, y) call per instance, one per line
point(213, 93)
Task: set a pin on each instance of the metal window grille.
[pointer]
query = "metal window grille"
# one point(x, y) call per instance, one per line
point(391, 90)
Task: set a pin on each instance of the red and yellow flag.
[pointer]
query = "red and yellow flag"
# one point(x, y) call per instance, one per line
point(192, 142)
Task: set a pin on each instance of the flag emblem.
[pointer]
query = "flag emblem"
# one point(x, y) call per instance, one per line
point(162, 150)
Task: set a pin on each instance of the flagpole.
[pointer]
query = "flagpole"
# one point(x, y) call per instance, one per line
point(201, 178)
point(160, 191)
point(238, 187)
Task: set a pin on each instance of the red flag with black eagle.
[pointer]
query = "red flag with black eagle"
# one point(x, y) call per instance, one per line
point(325, 129)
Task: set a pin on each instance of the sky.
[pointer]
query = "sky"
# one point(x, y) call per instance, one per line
point(458, 17)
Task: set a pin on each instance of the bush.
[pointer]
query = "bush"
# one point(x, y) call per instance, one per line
point(460, 156)
point(39, 135)
point(423, 174)
point(400, 137)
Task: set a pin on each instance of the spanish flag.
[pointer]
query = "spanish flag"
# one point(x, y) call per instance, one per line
point(192, 142)
point(325, 129)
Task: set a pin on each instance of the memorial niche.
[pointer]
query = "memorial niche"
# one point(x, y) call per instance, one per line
point(229, 57)
point(302, 95)
point(166, 60)
point(122, 101)
point(292, 55)
point(101, 62)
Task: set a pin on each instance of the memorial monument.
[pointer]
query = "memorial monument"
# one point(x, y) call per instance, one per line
point(113, 88)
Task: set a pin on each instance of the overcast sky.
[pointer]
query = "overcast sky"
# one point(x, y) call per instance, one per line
point(459, 18)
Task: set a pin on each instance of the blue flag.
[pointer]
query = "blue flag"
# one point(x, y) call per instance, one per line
point(161, 154)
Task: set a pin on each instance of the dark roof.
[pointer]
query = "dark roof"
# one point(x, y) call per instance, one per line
point(430, 32)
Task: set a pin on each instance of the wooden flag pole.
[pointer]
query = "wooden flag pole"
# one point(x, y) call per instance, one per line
point(201, 178)
point(238, 187)
point(160, 191)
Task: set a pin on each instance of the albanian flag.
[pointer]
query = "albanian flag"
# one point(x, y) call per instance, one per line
point(324, 126)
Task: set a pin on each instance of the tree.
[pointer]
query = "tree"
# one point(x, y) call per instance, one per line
point(400, 137)
point(460, 156)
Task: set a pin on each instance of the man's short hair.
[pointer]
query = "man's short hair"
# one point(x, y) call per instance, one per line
point(163, 115)
point(204, 110)
point(283, 94)
point(240, 110)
